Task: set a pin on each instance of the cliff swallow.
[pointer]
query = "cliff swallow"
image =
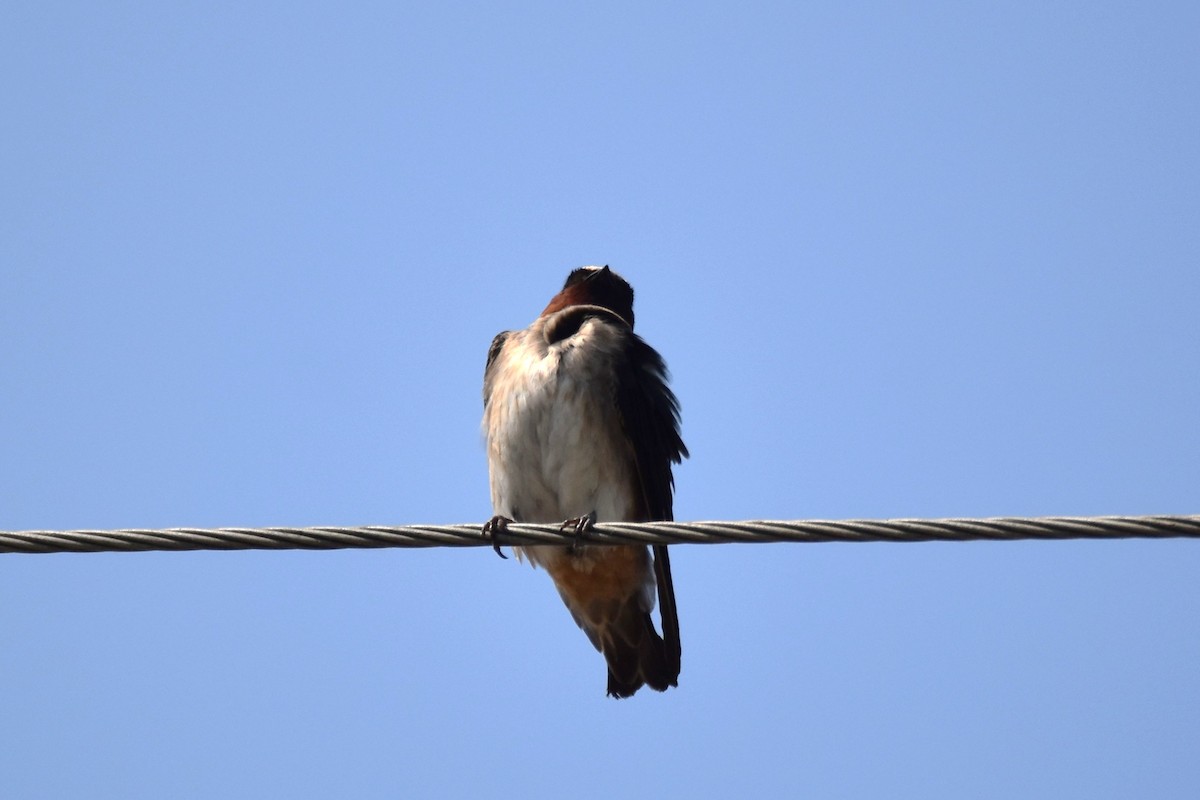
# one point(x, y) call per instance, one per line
point(581, 426)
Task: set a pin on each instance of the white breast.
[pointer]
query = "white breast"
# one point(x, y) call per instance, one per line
point(555, 445)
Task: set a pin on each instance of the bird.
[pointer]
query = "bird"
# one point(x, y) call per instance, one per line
point(581, 426)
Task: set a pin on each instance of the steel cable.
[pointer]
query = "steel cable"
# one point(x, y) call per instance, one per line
point(469, 535)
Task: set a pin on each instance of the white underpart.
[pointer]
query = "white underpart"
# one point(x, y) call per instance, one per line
point(555, 445)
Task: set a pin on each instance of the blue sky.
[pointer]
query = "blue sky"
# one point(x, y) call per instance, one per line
point(903, 260)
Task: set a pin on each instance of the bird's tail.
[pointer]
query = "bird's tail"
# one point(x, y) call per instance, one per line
point(619, 624)
point(636, 654)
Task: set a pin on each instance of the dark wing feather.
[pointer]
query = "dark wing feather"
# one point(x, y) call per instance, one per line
point(673, 649)
point(493, 352)
point(650, 416)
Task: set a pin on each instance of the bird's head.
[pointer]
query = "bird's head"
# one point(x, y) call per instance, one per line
point(595, 286)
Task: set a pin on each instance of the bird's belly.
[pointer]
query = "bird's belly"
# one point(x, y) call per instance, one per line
point(556, 452)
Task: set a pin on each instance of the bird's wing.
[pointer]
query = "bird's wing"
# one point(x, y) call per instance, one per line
point(649, 415)
point(488, 372)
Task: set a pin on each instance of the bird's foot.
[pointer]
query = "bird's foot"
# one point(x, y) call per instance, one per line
point(494, 526)
point(579, 526)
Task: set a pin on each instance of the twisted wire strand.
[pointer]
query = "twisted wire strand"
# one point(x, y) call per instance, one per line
point(469, 535)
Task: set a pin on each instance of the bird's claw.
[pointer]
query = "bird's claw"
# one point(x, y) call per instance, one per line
point(579, 526)
point(494, 526)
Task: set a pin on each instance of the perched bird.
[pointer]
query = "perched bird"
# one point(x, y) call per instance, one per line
point(581, 426)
